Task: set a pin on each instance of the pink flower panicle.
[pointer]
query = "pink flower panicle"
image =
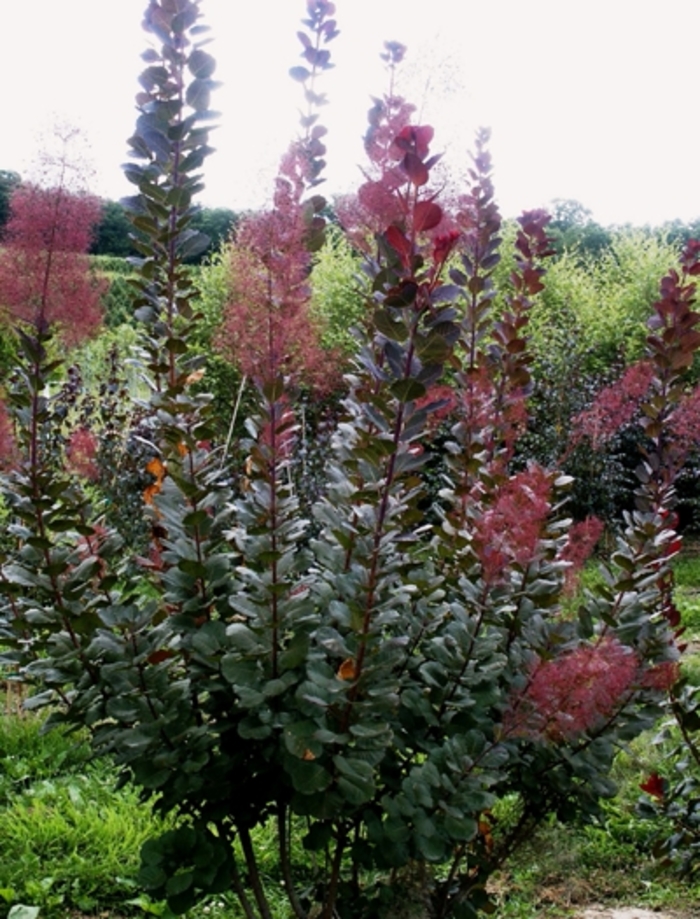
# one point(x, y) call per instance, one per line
point(267, 327)
point(662, 677)
point(8, 446)
point(489, 420)
point(615, 406)
point(510, 531)
point(684, 427)
point(268, 331)
point(81, 454)
point(582, 540)
point(574, 693)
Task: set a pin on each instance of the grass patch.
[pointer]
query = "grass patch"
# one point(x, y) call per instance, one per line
point(608, 862)
point(68, 840)
point(72, 843)
point(27, 755)
point(565, 868)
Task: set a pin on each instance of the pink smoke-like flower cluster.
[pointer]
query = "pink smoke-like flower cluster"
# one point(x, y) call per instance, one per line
point(267, 329)
point(615, 406)
point(488, 417)
point(44, 271)
point(574, 693)
point(81, 454)
point(510, 531)
point(684, 426)
point(662, 677)
point(582, 540)
point(8, 447)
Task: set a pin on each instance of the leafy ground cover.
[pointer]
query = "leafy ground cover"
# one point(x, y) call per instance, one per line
point(68, 840)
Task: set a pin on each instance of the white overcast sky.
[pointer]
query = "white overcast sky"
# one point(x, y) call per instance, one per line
point(594, 100)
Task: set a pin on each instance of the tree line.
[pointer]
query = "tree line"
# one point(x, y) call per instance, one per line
point(113, 232)
point(572, 227)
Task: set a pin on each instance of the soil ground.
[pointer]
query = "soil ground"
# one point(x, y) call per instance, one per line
point(631, 912)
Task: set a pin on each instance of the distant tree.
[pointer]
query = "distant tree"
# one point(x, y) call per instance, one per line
point(215, 222)
point(44, 271)
point(113, 232)
point(677, 231)
point(572, 228)
point(8, 183)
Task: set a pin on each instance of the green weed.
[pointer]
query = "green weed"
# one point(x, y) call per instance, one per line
point(67, 839)
point(687, 595)
point(72, 843)
point(27, 755)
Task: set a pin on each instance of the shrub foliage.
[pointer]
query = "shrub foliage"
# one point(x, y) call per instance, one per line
point(366, 673)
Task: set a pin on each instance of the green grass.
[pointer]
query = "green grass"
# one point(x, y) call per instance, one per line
point(72, 842)
point(68, 841)
point(687, 593)
point(27, 755)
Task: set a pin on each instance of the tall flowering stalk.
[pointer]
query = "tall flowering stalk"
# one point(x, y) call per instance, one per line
point(267, 329)
point(376, 204)
point(46, 290)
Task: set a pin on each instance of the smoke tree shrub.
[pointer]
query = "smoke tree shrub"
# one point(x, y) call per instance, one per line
point(671, 800)
point(370, 681)
point(44, 270)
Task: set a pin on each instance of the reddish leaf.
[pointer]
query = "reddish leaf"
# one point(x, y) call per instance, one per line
point(398, 242)
point(654, 786)
point(531, 277)
point(347, 670)
point(443, 245)
point(415, 169)
point(158, 657)
point(415, 139)
point(426, 215)
point(423, 136)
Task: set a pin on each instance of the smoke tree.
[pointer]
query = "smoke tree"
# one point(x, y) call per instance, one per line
point(372, 680)
point(44, 271)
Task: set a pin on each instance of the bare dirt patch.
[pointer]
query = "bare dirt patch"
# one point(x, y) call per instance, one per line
point(631, 912)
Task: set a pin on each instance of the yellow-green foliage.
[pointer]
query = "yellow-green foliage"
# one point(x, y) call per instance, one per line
point(215, 286)
point(596, 308)
point(337, 298)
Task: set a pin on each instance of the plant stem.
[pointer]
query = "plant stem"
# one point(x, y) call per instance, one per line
point(283, 838)
point(332, 895)
point(246, 905)
point(255, 882)
point(234, 419)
